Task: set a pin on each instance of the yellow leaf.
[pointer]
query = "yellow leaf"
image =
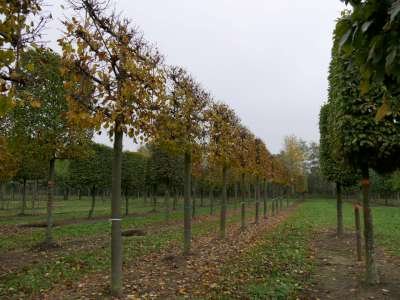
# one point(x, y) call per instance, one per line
point(383, 110)
point(36, 104)
point(364, 87)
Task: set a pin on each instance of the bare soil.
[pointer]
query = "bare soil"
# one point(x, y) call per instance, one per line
point(169, 275)
point(338, 274)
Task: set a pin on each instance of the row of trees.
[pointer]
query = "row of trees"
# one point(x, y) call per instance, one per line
point(110, 79)
point(359, 124)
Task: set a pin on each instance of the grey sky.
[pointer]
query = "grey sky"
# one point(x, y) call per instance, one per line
point(266, 59)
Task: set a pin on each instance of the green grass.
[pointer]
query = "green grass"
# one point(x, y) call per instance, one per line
point(72, 265)
point(279, 266)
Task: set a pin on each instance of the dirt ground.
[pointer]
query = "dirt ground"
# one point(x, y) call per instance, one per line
point(168, 275)
point(338, 275)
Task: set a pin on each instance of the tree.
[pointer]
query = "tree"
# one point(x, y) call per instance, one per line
point(181, 128)
point(333, 166)
point(39, 125)
point(224, 129)
point(293, 157)
point(92, 171)
point(369, 34)
point(20, 26)
point(115, 83)
point(8, 167)
point(133, 174)
point(364, 142)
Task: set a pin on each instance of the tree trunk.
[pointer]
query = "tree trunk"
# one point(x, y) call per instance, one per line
point(201, 197)
point(265, 209)
point(243, 205)
point(273, 207)
point(175, 201)
point(358, 231)
point(166, 204)
point(126, 202)
point(194, 202)
point(339, 210)
point(187, 203)
point(257, 198)
point(371, 270)
point(116, 237)
point(211, 201)
point(2, 193)
point(23, 208)
point(93, 203)
point(154, 199)
point(50, 197)
point(222, 227)
point(236, 187)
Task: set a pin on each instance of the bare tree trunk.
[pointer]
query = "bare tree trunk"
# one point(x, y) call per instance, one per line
point(371, 269)
point(126, 202)
point(174, 203)
point(23, 208)
point(201, 197)
point(257, 198)
point(339, 210)
point(358, 231)
point(222, 226)
point(265, 209)
point(154, 199)
point(243, 206)
point(166, 204)
point(194, 200)
point(236, 187)
point(93, 203)
point(273, 207)
point(211, 196)
point(2, 193)
point(116, 237)
point(50, 198)
point(187, 203)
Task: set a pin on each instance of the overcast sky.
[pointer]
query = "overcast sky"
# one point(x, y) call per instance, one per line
point(267, 59)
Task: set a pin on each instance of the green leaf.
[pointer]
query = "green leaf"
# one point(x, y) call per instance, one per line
point(394, 10)
point(390, 59)
point(344, 38)
point(366, 25)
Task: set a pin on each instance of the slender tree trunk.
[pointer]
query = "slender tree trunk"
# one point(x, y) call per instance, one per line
point(339, 209)
point(201, 197)
point(116, 237)
point(2, 195)
point(175, 201)
point(236, 187)
point(211, 201)
point(222, 226)
point(243, 205)
point(265, 209)
point(79, 194)
point(23, 208)
point(166, 204)
point(93, 203)
point(371, 269)
point(126, 202)
point(257, 199)
point(358, 231)
point(50, 198)
point(154, 199)
point(187, 203)
point(273, 207)
point(194, 200)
